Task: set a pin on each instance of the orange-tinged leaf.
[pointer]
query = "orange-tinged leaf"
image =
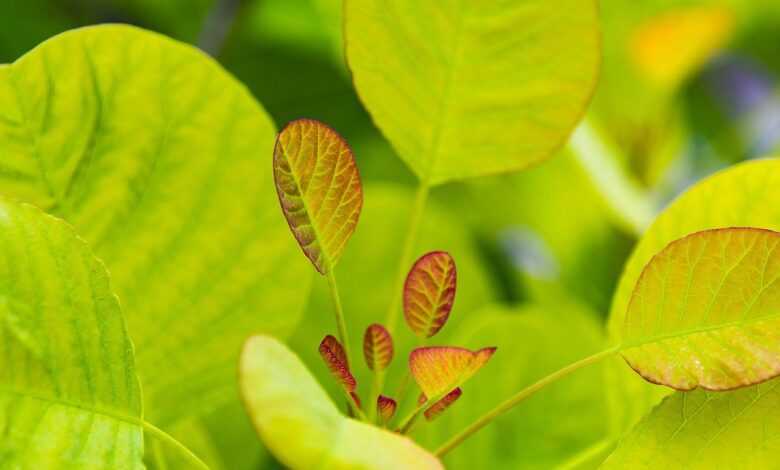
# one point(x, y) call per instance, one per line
point(319, 189)
point(435, 410)
point(429, 292)
point(706, 311)
point(377, 347)
point(335, 358)
point(438, 370)
point(386, 407)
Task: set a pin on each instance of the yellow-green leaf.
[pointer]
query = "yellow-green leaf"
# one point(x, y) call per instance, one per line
point(491, 87)
point(439, 370)
point(706, 312)
point(705, 430)
point(69, 394)
point(301, 426)
point(745, 195)
point(319, 189)
point(159, 159)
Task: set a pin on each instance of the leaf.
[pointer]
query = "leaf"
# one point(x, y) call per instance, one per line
point(336, 359)
point(73, 401)
point(429, 293)
point(438, 370)
point(435, 410)
point(319, 189)
point(377, 347)
point(705, 312)
point(489, 88)
point(300, 425)
point(744, 195)
point(162, 174)
point(701, 430)
point(387, 407)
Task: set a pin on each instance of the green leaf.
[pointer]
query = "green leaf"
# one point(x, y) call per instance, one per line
point(302, 427)
point(706, 311)
point(159, 159)
point(69, 394)
point(702, 430)
point(490, 88)
point(319, 189)
point(745, 195)
point(429, 293)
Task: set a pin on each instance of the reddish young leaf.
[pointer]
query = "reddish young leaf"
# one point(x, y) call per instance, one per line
point(429, 292)
point(438, 408)
point(438, 370)
point(377, 347)
point(319, 189)
point(386, 407)
point(336, 359)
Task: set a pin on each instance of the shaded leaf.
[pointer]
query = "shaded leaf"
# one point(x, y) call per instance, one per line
point(489, 88)
point(706, 311)
point(703, 430)
point(160, 174)
point(300, 425)
point(438, 370)
point(319, 189)
point(429, 293)
point(73, 401)
point(335, 358)
point(435, 410)
point(377, 347)
point(387, 407)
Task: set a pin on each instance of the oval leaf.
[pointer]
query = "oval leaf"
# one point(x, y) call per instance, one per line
point(319, 189)
point(150, 150)
point(301, 426)
point(69, 394)
point(377, 347)
point(335, 358)
point(386, 407)
point(438, 370)
point(706, 312)
point(429, 293)
point(491, 87)
point(435, 410)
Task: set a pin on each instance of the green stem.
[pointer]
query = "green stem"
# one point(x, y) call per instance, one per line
point(586, 455)
point(374, 396)
point(406, 255)
point(185, 452)
point(519, 397)
point(407, 422)
point(159, 456)
point(340, 323)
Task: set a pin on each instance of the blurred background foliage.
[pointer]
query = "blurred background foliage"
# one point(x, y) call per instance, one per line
point(687, 87)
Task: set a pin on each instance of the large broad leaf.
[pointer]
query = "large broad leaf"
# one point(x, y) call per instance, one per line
point(302, 427)
point(69, 394)
point(490, 87)
point(746, 195)
point(161, 161)
point(541, 432)
point(706, 311)
point(702, 430)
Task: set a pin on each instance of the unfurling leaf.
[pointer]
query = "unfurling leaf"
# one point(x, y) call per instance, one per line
point(386, 407)
point(377, 347)
point(301, 426)
point(429, 292)
point(319, 189)
point(706, 311)
point(435, 410)
point(335, 358)
point(438, 370)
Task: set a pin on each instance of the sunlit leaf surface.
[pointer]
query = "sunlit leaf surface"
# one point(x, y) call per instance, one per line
point(468, 89)
point(69, 394)
point(319, 189)
point(706, 312)
point(429, 293)
point(160, 160)
point(439, 370)
point(300, 425)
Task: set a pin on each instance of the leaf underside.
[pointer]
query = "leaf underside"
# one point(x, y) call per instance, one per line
point(429, 293)
point(706, 312)
point(319, 189)
point(439, 370)
point(435, 410)
point(377, 347)
point(335, 358)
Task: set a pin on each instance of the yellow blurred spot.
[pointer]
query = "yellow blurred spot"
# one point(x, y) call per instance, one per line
point(669, 47)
